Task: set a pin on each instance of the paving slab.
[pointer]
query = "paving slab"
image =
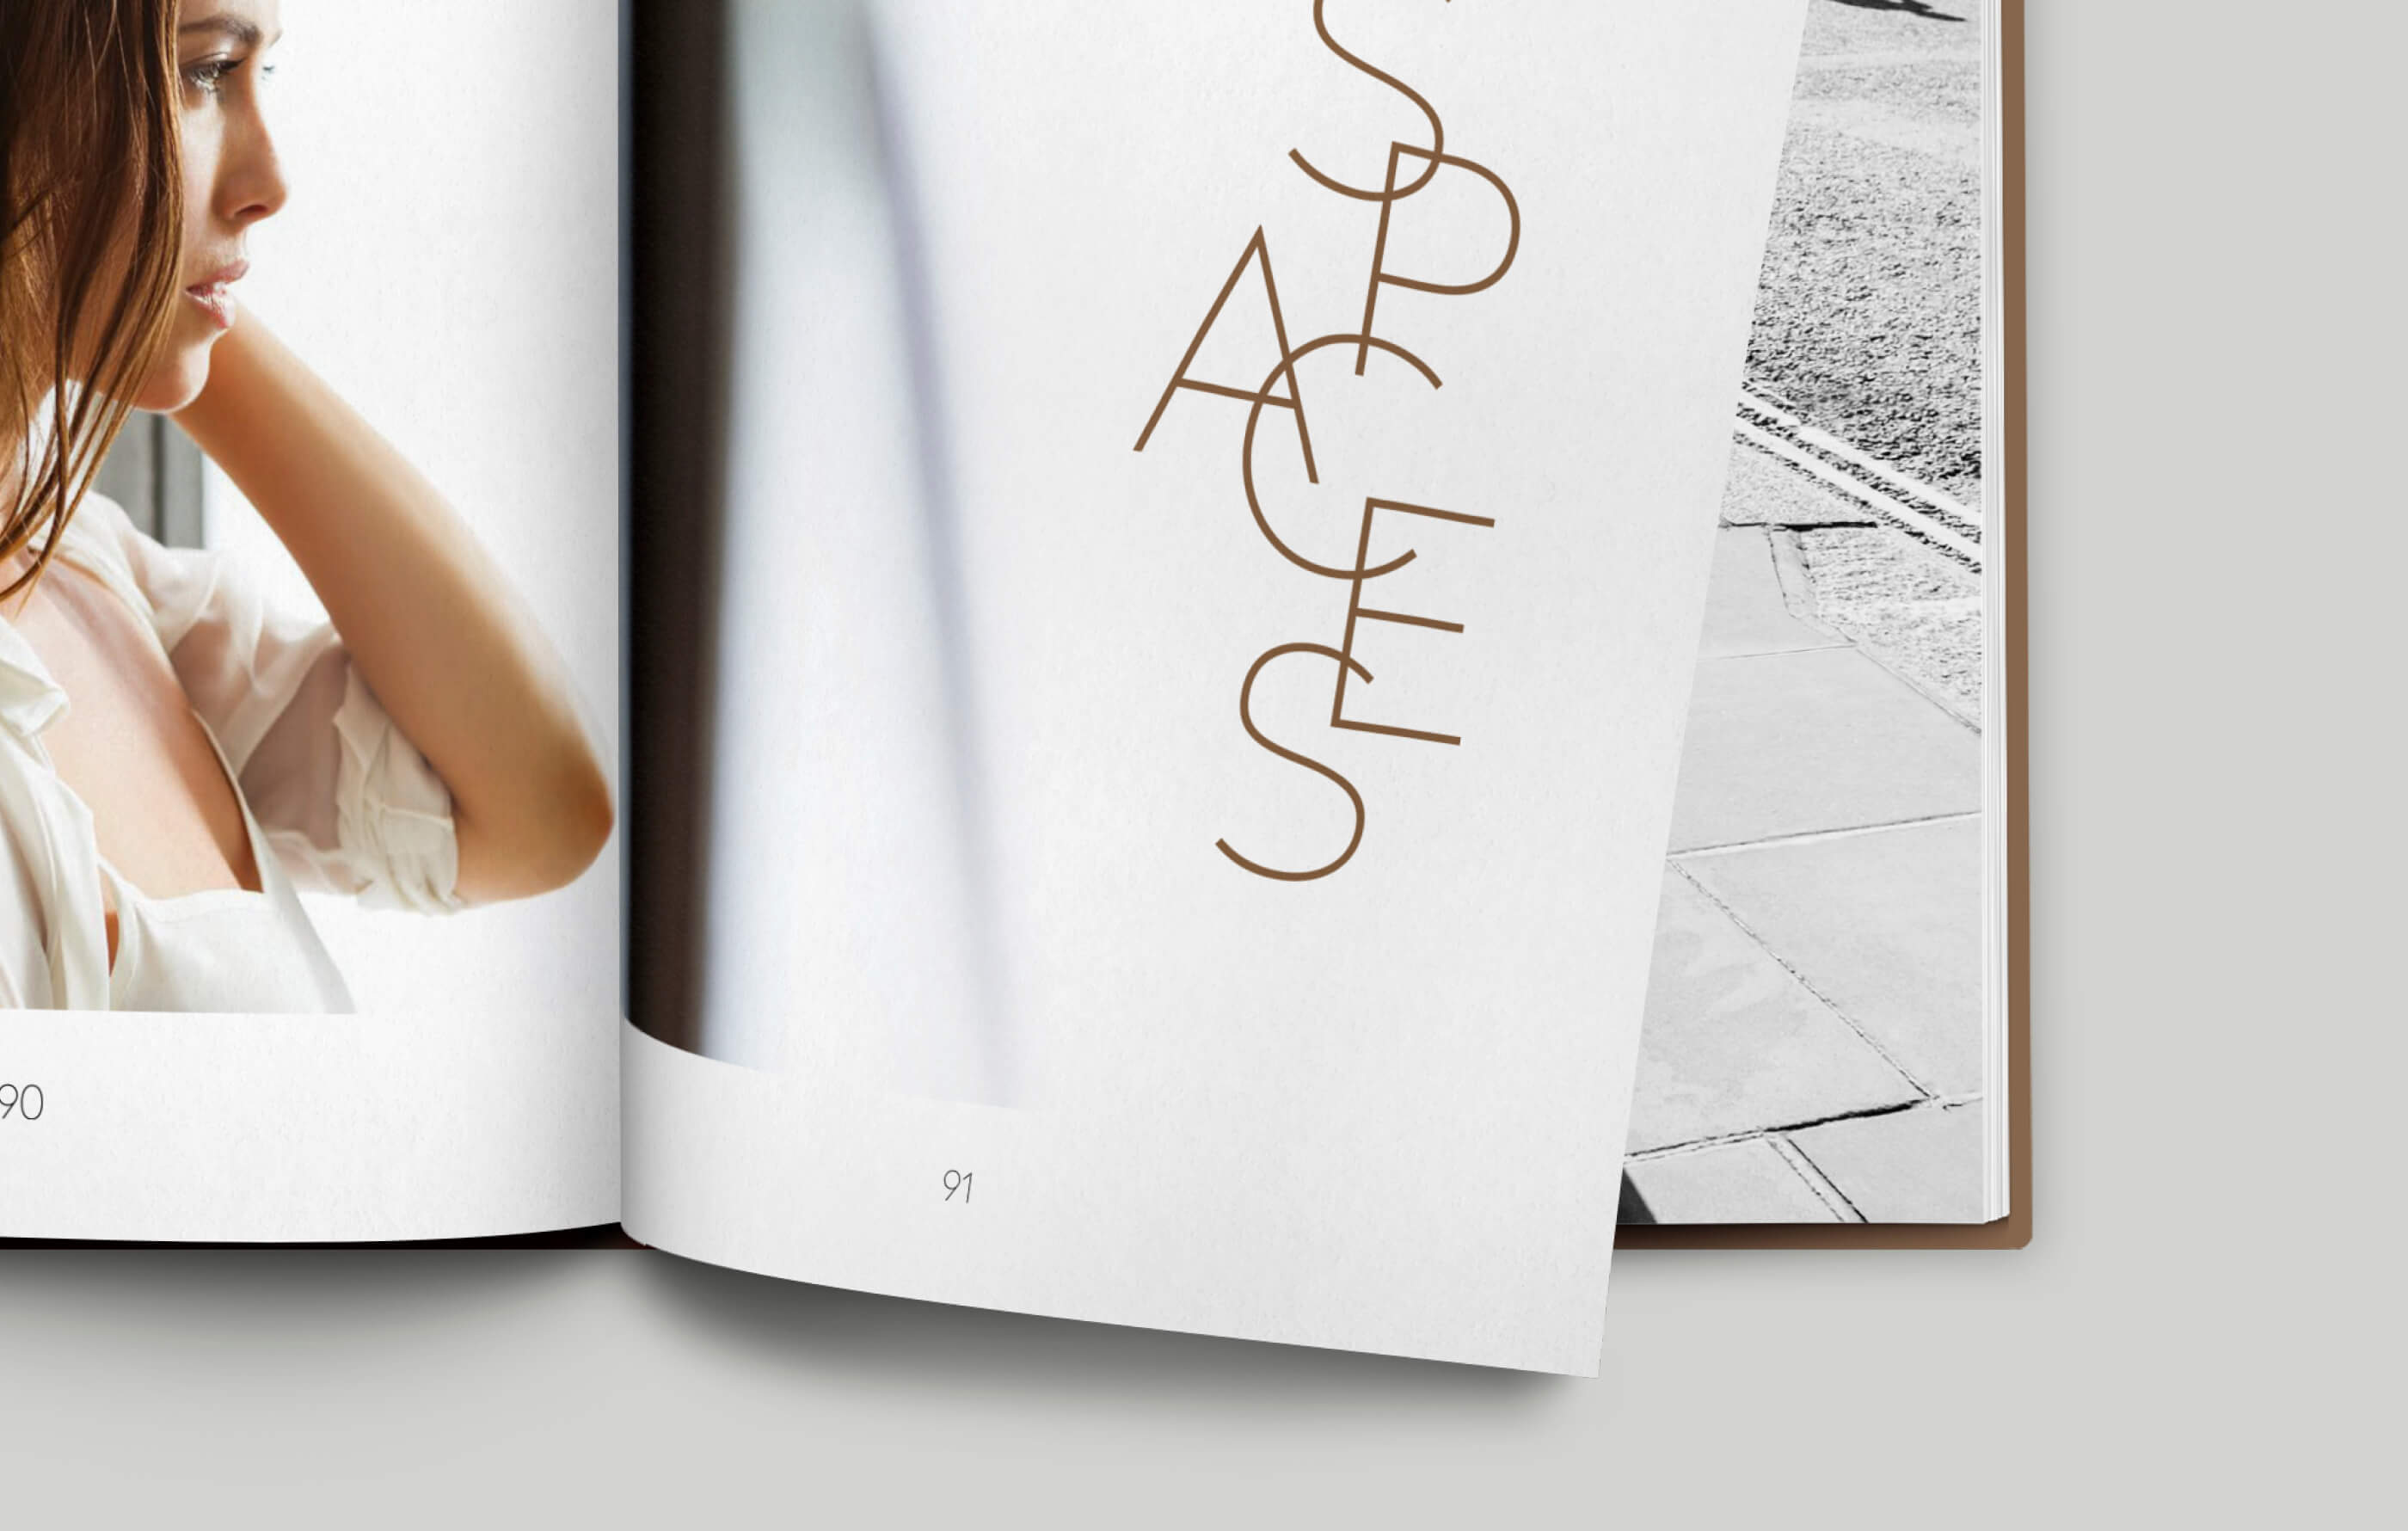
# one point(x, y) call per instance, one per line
point(1818, 739)
point(1763, 491)
point(1745, 612)
point(1734, 1044)
point(1885, 925)
point(1923, 1166)
point(1738, 1182)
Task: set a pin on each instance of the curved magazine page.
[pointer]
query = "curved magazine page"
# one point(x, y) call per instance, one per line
point(310, 920)
point(1216, 510)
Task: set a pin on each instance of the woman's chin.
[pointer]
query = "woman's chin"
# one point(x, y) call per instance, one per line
point(177, 379)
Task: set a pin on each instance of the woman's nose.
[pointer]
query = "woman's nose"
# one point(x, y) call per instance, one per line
point(250, 177)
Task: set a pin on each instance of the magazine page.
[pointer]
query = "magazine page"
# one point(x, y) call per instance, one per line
point(308, 906)
point(1203, 590)
point(1826, 1025)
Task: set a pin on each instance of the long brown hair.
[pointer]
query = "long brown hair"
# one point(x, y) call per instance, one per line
point(91, 243)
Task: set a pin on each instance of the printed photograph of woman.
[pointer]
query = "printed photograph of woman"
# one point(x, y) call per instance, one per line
point(180, 754)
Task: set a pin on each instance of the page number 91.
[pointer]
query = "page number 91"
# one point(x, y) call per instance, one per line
point(957, 1179)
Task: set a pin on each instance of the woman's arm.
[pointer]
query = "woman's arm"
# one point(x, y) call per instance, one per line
point(429, 621)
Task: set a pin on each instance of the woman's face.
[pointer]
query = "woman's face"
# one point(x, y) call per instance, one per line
point(231, 180)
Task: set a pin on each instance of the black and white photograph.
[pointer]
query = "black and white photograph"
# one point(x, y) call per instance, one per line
point(1815, 1048)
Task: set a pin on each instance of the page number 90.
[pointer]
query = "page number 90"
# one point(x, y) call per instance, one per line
point(24, 1101)
point(957, 1179)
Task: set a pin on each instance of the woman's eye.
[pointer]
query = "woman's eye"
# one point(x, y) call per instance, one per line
point(208, 77)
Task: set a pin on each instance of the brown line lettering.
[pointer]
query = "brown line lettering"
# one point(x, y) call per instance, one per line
point(1438, 130)
point(1257, 246)
point(1246, 716)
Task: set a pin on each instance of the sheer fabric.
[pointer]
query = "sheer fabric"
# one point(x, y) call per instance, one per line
point(333, 798)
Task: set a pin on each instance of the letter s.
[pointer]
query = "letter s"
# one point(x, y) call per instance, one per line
point(1437, 131)
point(1246, 716)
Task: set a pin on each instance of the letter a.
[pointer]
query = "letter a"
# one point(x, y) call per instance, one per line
point(1285, 368)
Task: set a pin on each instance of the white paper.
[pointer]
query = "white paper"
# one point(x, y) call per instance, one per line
point(978, 643)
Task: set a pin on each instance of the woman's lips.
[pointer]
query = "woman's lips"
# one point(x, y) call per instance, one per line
point(215, 293)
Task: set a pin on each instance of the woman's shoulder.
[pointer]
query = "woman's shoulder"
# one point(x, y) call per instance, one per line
point(166, 586)
point(100, 539)
point(99, 525)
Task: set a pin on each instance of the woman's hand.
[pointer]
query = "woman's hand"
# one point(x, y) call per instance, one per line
point(430, 622)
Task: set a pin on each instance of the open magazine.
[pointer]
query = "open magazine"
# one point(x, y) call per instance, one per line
point(1029, 655)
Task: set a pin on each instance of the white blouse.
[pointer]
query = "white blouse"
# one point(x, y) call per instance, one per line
point(333, 798)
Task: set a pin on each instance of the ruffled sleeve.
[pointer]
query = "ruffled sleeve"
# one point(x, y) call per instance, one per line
point(346, 800)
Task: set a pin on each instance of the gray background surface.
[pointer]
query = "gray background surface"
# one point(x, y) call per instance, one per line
point(2205, 1326)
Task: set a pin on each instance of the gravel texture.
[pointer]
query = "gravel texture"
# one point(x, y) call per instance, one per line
point(1867, 318)
point(1867, 323)
point(1763, 491)
point(1914, 609)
